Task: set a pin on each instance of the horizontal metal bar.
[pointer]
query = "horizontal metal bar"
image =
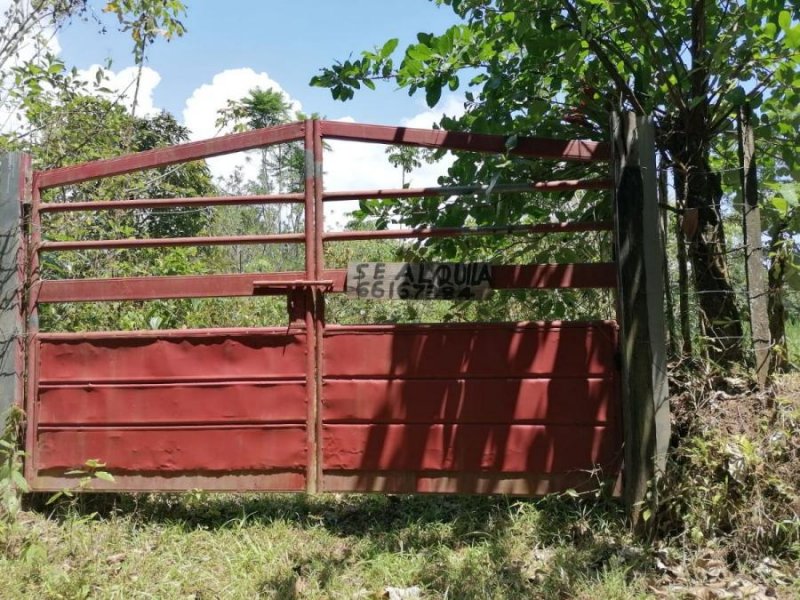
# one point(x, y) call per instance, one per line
point(370, 329)
point(144, 381)
point(225, 426)
point(277, 238)
point(544, 276)
point(157, 334)
point(511, 484)
point(428, 232)
point(138, 203)
point(297, 238)
point(163, 157)
point(463, 190)
point(150, 288)
point(232, 481)
point(292, 283)
point(572, 150)
point(266, 381)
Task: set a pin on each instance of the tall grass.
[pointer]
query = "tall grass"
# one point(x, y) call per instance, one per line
point(793, 341)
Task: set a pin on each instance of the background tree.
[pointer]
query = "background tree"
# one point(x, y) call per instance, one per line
point(281, 170)
point(29, 69)
point(63, 123)
point(408, 158)
point(557, 67)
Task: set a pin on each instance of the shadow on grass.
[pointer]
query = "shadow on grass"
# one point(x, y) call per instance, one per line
point(464, 544)
point(341, 514)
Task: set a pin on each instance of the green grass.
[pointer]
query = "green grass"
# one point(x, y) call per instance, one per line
point(793, 341)
point(280, 546)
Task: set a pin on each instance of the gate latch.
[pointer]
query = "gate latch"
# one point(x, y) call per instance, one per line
point(284, 286)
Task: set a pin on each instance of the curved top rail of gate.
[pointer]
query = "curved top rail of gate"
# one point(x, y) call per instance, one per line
point(531, 147)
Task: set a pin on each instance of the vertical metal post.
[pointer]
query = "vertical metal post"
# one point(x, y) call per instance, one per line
point(34, 237)
point(15, 185)
point(640, 257)
point(319, 296)
point(310, 317)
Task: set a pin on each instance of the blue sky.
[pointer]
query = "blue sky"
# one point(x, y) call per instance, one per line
point(288, 40)
point(232, 46)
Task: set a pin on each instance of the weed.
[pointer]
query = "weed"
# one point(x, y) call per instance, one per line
point(12, 482)
point(733, 480)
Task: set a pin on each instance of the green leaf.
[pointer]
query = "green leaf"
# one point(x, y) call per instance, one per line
point(104, 475)
point(19, 481)
point(433, 92)
point(793, 37)
point(54, 498)
point(736, 96)
point(781, 204)
point(784, 19)
point(419, 52)
point(389, 47)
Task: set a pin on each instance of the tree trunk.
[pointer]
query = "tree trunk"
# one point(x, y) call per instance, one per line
point(679, 180)
point(670, 307)
point(716, 299)
point(718, 311)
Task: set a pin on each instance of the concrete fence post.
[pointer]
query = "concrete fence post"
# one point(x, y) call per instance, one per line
point(640, 262)
point(15, 181)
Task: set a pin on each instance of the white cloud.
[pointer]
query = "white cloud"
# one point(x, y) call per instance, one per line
point(452, 106)
point(348, 165)
point(202, 107)
point(123, 86)
point(353, 165)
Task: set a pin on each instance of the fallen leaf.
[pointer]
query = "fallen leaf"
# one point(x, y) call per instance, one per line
point(115, 558)
point(393, 593)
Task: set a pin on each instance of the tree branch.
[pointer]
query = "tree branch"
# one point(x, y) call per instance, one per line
point(605, 60)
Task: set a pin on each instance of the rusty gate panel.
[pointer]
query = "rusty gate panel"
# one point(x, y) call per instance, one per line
point(580, 401)
point(244, 402)
point(569, 349)
point(199, 449)
point(521, 408)
point(176, 355)
point(426, 447)
point(219, 408)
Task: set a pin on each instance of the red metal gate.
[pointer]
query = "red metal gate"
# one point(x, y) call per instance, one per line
point(522, 408)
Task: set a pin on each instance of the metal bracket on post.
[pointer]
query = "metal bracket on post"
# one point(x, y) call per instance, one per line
point(15, 175)
point(640, 259)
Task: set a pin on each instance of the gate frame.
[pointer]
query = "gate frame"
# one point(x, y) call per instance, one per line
point(638, 246)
